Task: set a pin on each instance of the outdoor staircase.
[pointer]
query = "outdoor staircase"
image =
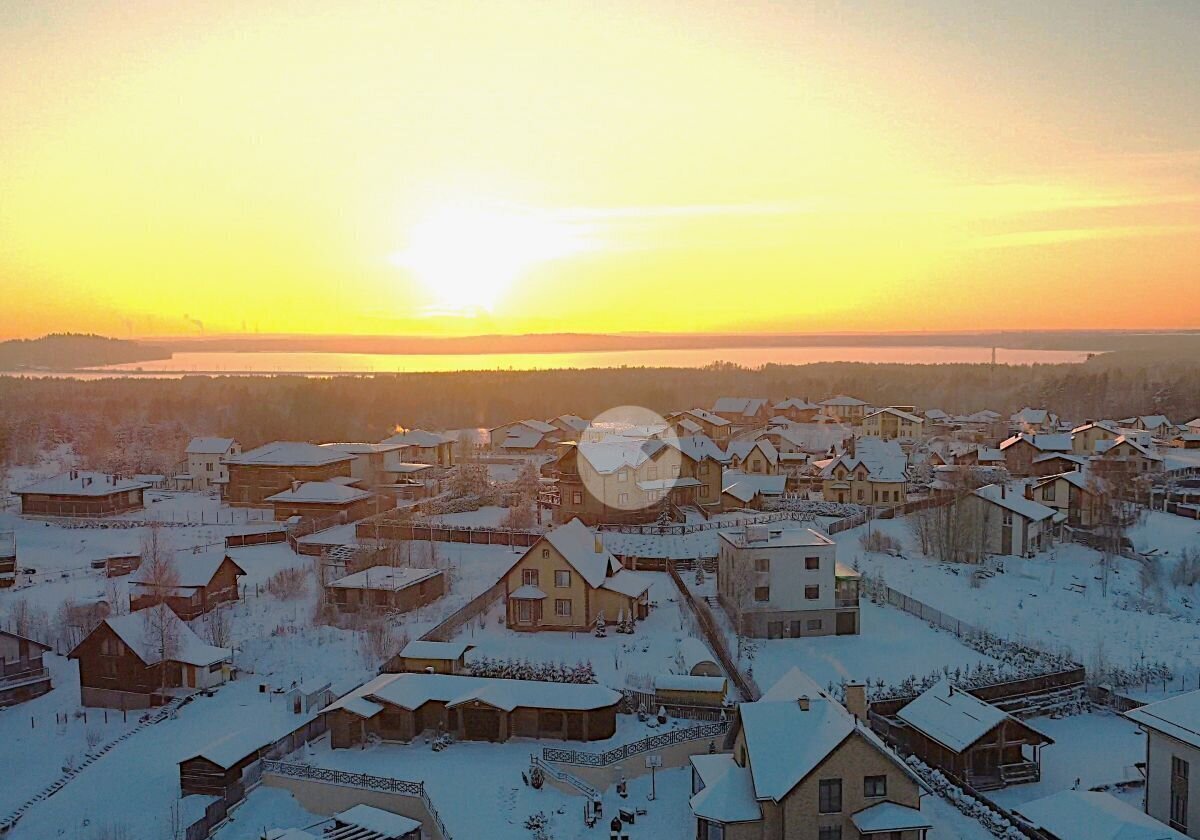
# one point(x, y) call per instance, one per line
point(166, 711)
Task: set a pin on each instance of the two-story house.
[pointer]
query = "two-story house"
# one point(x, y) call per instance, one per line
point(845, 409)
point(698, 421)
point(893, 424)
point(797, 410)
point(206, 461)
point(1172, 728)
point(777, 582)
point(1020, 450)
point(1073, 494)
point(23, 676)
point(803, 767)
point(566, 579)
point(875, 473)
point(272, 468)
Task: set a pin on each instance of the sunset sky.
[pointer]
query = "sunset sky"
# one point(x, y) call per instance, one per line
point(628, 165)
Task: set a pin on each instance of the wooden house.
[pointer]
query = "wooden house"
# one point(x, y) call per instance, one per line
point(372, 464)
point(1008, 522)
point(1071, 493)
point(202, 581)
point(1021, 449)
point(399, 707)
point(23, 675)
point(219, 768)
point(1085, 437)
point(1126, 458)
point(570, 426)
point(430, 657)
point(324, 499)
point(274, 467)
point(698, 421)
point(803, 765)
point(8, 559)
point(123, 660)
point(525, 436)
point(81, 493)
point(951, 729)
point(390, 589)
point(566, 579)
point(797, 410)
point(743, 412)
point(1054, 463)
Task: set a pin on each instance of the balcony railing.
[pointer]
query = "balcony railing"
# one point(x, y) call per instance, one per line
point(845, 603)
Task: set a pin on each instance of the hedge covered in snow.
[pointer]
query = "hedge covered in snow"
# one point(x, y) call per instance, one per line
point(979, 810)
point(512, 669)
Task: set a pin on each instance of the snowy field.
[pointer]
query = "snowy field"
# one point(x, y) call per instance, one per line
point(1057, 600)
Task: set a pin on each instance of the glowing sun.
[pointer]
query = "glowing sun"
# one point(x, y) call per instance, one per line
point(469, 255)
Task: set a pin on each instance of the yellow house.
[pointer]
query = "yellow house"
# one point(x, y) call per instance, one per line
point(875, 475)
point(893, 424)
point(844, 408)
point(1084, 438)
point(805, 768)
point(568, 578)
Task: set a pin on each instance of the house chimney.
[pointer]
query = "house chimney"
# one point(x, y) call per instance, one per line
point(1029, 492)
point(856, 700)
point(1003, 491)
point(295, 485)
point(802, 702)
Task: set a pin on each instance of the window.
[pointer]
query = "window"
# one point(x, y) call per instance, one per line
point(875, 786)
point(812, 563)
point(1048, 493)
point(524, 612)
point(829, 796)
point(829, 832)
point(812, 593)
point(623, 475)
point(622, 498)
point(1007, 520)
point(704, 468)
point(861, 495)
point(545, 554)
point(576, 497)
point(652, 471)
point(703, 490)
point(529, 577)
point(213, 668)
point(1180, 771)
point(762, 564)
point(562, 607)
point(762, 593)
point(816, 624)
point(711, 830)
point(562, 579)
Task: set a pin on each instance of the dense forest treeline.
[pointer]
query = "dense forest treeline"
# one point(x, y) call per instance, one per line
point(143, 424)
point(65, 351)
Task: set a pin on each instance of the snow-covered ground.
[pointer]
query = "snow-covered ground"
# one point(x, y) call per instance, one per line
point(1057, 600)
point(1096, 749)
point(616, 659)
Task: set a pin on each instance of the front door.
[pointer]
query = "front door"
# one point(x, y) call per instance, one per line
point(524, 612)
point(1006, 539)
point(847, 623)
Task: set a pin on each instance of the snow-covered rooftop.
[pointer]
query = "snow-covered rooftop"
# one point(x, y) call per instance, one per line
point(321, 493)
point(745, 406)
point(83, 483)
point(411, 691)
point(290, 453)
point(385, 577)
point(728, 794)
point(843, 400)
point(746, 486)
point(209, 445)
point(774, 536)
point(1091, 815)
point(1043, 443)
point(1177, 716)
point(584, 550)
point(951, 716)
point(140, 633)
point(384, 824)
point(419, 438)
point(1011, 498)
point(889, 816)
point(191, 570)
point(435, 650)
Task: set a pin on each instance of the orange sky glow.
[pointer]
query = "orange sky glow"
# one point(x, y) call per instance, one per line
point(450, 168)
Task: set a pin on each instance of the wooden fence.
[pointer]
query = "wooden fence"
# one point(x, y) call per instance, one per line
point(391, 530)
point(257, 538)
point(716, 639)
point(444, 631)
point(586, 758)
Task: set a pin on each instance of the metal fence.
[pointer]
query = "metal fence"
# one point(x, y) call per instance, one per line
point(566, 778)
point(585, 758)
point(363, 781)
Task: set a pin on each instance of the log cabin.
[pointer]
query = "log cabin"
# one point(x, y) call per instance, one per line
point(123, 660)
point(23, 675)
point(273, 467)
point(399, 707)
point(387, 589)
point(428, 656)
point(202, 581)
point(82, 493)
